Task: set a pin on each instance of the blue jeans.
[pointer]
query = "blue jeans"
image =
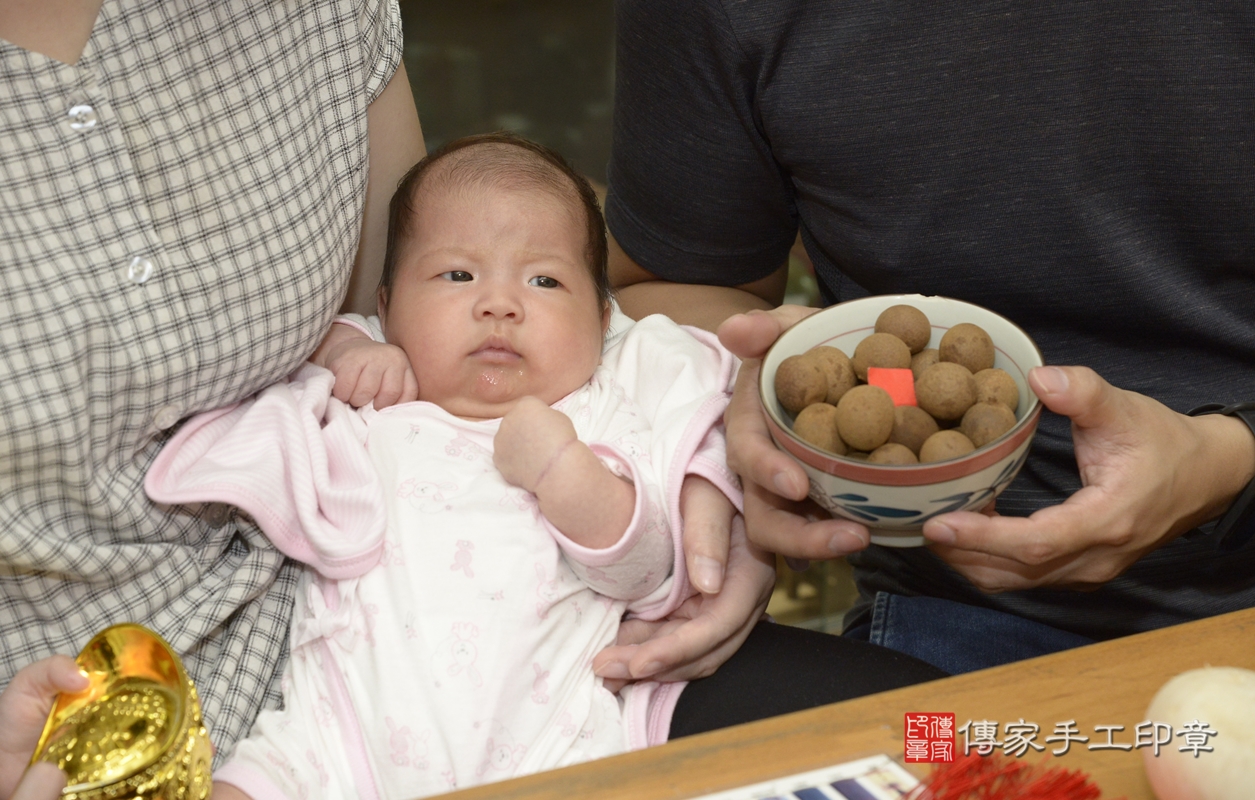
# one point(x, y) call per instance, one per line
point(957, 637)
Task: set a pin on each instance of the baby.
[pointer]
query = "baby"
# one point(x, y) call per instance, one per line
point(530, 496)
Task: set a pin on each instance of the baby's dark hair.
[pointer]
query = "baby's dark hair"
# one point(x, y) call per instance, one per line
point(509, 160)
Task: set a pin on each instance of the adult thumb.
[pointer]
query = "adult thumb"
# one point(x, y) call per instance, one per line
point(55, 674)
point(751, 334)
point(42, 781)
point(1078, 393)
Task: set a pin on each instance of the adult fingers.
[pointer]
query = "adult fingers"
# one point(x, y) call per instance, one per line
point(799, 529)
point(1045, 535)
point(652, 658)
point(774, 483)
point(1080, 394)
point(1097, 515)
point(749, 335)
point(751, 453)
point(706, 629)
point(707, 515)
point(994, 574)
point(695, 648)
point(1082, 540)
point(42, 681)
point(42, 781)
point(612, 662)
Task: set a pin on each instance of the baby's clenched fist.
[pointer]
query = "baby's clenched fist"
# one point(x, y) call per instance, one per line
point(531, 437)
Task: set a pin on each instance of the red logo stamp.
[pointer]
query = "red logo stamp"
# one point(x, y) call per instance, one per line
point(929, 738)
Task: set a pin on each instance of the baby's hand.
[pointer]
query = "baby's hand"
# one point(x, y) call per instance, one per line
point(366, 370)
point(531, 437)
point(24, 705)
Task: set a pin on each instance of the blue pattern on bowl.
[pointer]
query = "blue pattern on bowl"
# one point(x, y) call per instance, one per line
point(855, 506)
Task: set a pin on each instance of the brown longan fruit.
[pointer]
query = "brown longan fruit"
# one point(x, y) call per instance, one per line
point(857, 455)
point(800, 381)
point(907, 323)
point(996, 385)
point(984, 422)
point(911, 426)
point(865, 417)
point(817, 425)
point(969, 345)
point(880, 350)
point(923, 360)
point(946, 390)
point(837, 367)
point(892, 453)
point(943, 445)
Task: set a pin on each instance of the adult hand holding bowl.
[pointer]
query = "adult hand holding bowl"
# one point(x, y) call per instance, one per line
point(894, 501)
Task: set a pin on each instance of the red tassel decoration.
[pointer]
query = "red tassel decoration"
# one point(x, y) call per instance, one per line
point(996, 777)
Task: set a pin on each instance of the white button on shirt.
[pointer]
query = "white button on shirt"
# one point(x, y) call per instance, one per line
point(82, 117)
point(139, 270)
point(166, 417)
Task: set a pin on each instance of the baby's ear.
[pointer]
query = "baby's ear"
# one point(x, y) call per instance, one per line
point(605, 319)
point(381, 307)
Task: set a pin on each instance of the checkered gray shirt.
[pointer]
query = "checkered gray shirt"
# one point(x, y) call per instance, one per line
point(179, 213)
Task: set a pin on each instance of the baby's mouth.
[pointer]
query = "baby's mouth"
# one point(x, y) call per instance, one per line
point(496, 349)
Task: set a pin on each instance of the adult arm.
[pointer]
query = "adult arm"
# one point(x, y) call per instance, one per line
point(641, 293)
point(701, 217)
point(396, 144)
point(1148, 475)
point(702, 222)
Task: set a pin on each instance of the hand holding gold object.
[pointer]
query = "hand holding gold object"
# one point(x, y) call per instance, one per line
point(136, 730)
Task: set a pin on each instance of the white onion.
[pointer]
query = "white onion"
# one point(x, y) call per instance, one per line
point(1224, 698)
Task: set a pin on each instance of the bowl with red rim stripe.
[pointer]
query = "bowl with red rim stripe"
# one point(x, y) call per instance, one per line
point(894, 501)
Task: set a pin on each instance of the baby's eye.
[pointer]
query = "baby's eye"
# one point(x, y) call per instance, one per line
point(457, 275)
point(544, 282)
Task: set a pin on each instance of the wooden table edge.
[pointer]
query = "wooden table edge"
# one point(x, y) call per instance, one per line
point(1121, 673)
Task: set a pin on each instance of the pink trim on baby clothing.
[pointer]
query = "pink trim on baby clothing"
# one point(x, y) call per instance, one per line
point(252, 782)
point(357, 755)
point(709, 414)
point(294, 459)
point(614, 553)
point(352, 323)
point(647, 712)
point(257, 784)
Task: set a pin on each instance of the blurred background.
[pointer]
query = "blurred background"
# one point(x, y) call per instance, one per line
point(541, 68)
point(545, 70)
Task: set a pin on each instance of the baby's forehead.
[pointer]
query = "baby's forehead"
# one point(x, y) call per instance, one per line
point(497, 166)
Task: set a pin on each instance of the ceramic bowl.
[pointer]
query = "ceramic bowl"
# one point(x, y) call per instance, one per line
point(894, 502)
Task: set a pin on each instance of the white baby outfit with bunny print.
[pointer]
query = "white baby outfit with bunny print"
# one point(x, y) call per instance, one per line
point(464, 656)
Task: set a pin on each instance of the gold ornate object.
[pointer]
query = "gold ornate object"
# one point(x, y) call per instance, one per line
point(136, 730)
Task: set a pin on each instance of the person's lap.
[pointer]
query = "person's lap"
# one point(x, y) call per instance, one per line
point(907, 640)
point(956, 637)
point(780, 669)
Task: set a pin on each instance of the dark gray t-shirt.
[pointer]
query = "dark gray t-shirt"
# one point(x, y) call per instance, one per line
point(1086, 169)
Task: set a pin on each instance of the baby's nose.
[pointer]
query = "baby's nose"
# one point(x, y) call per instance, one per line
point(500, 302)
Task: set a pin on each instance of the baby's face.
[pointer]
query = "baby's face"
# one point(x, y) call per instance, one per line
point(492, 301)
